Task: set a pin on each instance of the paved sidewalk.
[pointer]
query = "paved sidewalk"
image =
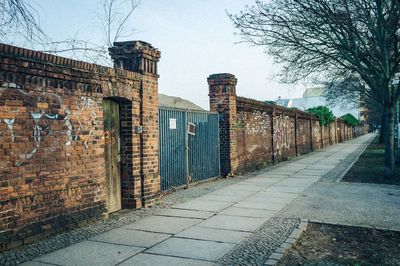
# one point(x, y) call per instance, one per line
point(201, 231)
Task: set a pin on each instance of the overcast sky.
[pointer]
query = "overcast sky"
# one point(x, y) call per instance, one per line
point(195, 39)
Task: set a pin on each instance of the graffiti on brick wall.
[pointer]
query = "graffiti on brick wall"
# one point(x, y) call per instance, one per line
point(85, 116)
point(255, 125)
point(235, 128)
point(302, 136)
point(259, 124)
point(282, 134)
point(86, 119)
point(316, 132)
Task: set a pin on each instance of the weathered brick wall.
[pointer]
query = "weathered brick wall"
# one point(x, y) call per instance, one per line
point(304, 135)
point(325, 136)
point(52, 166)
point(317, 136)
point(284, 134)
point(332, 133)
point(254, 134)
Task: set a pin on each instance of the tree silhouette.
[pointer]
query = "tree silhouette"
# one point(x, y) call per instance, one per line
point(329, 39)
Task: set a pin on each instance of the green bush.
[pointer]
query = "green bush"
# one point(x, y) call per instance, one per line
point(350, 119)
point(325, 115)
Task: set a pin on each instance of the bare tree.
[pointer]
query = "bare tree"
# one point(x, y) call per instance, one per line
point(114, 18)
point(322, 38)
point(19, 19)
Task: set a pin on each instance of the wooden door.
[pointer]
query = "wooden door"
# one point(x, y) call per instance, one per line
point(112, 149)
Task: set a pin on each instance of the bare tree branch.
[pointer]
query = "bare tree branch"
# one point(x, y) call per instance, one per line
point(19, 19)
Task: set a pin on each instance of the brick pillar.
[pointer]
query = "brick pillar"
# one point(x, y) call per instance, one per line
point(222, 93)
point(142, 58)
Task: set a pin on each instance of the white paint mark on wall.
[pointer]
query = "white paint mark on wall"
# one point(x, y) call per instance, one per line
point(84, 125)
point(36, 127)
point(10, 123)
point(28, 156)
point(69, 126)
point(250, 150)
point(11, 85)
point(53, 117)
point(283, 133)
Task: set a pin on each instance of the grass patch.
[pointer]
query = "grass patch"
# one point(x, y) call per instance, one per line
point(326, 244)
point(370, 167)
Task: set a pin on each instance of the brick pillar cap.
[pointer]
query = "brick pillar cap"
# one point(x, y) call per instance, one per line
point(222, 78)
point(134, 47)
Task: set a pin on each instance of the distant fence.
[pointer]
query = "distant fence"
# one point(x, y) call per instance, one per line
point(187, 155)
point(254, 134)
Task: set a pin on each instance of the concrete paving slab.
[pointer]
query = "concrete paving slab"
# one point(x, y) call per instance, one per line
point(225, 198)
point(160, 260)
point(308, 161)
point(235, 223)
point(203, 205)
point(311, 178)
point(278, 174)
point(277, 194)
point(186, 213)
point(292, 165)
point(286, 189)
point(320, 167)
point(227, 191)
point(192, 249)
point(289, 170)
point(35, 263)
point(213, 234)
point(163, 224)
point(296, 182)
point(246, 212)
point(311, 172)
point(131, 238)
point(244, 187)
point(90, 253)
point(265, 198)
point(274, 206)
point(263, 180)
point(331, 162)
point(299, 163)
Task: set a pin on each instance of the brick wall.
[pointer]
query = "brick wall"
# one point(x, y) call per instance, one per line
point(52, 166)
point(254, 134)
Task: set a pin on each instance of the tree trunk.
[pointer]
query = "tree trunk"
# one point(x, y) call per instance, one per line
point(389, 142)
point(382, 130)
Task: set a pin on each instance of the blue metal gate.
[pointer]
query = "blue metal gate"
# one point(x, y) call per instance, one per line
point(187, 157)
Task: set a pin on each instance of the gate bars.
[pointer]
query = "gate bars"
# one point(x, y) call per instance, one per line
point(186, 158)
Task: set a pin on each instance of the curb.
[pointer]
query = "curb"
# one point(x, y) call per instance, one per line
point(278, 253)
point(355, 160)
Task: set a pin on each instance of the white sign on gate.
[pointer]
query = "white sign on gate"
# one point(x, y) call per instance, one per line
point(172, 123)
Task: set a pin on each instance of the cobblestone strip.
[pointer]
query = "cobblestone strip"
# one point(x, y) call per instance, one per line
point(260, 245)
point(278, 253)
